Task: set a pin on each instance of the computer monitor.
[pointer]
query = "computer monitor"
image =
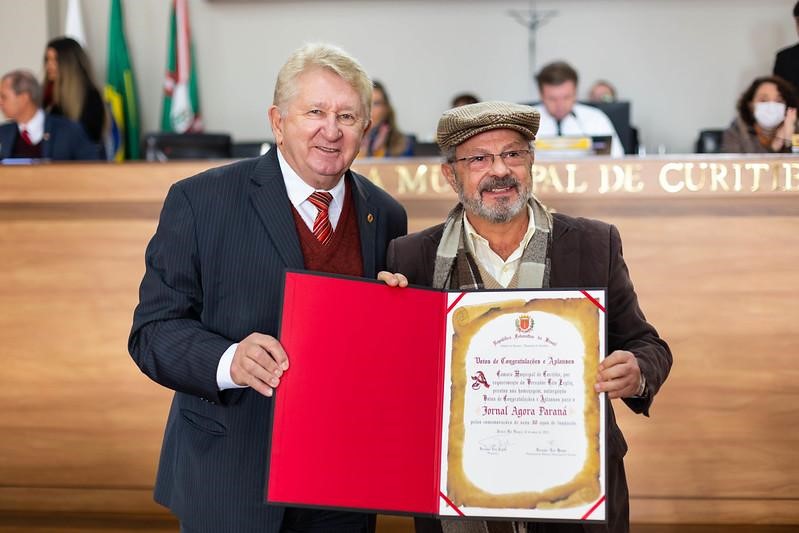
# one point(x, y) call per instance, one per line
point(426, 149)
point(167, 146)
point(601, 144)
point(246, 149)
point(619, 115)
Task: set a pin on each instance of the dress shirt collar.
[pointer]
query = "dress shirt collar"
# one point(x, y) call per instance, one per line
point(34, 127)
point(480, 249)
point(299, 191)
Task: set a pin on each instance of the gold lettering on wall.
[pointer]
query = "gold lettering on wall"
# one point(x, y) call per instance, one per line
point(718, 177)
point(438, 182)
point(737, 168)
point(664, 179)
point(554, 178)
point(689, 176)
point(544, 178)
point(756, 168)
point(791, 174)
point(571, 180)
point(775, 176)
point(416, 184)
point(625, 178)
point(632, 178)
point(373, 175)
point(690, 184)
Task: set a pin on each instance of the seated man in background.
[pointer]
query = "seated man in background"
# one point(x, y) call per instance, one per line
point(32, 133)
point(561, 115)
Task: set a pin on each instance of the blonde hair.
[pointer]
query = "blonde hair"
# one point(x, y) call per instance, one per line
point(326, 56)
point(74, 76)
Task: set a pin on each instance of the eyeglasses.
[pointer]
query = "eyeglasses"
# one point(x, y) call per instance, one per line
point(484, 161)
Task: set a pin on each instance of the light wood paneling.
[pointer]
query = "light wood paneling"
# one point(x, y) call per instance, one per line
point(81, 426)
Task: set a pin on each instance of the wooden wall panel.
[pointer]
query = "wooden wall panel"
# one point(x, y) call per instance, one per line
point(81, 426)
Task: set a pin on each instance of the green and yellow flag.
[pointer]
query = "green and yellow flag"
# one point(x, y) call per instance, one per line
point(120, 91)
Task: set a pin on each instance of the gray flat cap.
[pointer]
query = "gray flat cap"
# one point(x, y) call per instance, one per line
point(461, 123)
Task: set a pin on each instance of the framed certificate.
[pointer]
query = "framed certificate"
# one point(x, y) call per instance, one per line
point(428, 402)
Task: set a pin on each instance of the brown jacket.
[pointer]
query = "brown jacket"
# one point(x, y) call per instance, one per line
point(740, 138)
point(583, 253)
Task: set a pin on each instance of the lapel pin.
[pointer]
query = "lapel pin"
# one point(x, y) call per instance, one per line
point(370, 218)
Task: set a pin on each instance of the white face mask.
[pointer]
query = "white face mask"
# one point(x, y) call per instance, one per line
point(769, 114)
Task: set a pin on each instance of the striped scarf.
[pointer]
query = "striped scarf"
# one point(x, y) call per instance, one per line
point(455, 268)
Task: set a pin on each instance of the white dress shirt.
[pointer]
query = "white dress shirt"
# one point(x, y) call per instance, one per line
point(298, 193)
point(584, 120)
point(502, 270)
point(34, 127)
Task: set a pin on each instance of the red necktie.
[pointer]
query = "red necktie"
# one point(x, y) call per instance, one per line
point(322, 228)
point(26, 137)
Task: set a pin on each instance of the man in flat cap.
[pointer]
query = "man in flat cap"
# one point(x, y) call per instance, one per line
point(501, 236)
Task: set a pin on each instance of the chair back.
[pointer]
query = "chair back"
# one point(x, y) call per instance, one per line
point(167, 146)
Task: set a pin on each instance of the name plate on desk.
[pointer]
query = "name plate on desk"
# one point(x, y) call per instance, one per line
point(475, 404)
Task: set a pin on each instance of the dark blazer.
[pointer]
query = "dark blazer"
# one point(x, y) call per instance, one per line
point(214, 274)
point(786, 65)
point(584, 253)
point(64, 140)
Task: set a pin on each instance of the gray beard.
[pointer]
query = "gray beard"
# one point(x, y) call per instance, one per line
point(504, 209)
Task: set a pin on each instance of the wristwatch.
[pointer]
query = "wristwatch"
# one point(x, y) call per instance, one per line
point(641, 387)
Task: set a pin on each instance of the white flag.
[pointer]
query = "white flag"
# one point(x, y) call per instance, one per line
point(73, 25)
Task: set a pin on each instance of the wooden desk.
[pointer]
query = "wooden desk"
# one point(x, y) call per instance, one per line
point(712, 246)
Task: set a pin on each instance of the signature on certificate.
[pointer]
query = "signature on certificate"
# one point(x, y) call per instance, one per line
point(495, 444)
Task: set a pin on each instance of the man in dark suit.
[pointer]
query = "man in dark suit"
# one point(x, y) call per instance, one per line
point(207, 320)
point(32, 133)
point(786, 65)
point(501, 236)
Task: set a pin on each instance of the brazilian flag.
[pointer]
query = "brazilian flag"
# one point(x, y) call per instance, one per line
point(120, 91)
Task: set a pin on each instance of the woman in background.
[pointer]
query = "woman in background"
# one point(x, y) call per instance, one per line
point(383, 138)
point(766, 119)
point(69, 87)
point(462, 99)
point(602, 91)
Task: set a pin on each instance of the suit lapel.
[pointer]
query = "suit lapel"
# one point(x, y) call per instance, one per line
point(565, 256)
point(46, 144)
point(8, 135)
point(368, 215)
point(271, 202)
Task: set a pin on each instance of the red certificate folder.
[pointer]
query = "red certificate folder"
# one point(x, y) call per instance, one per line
point(357, 418)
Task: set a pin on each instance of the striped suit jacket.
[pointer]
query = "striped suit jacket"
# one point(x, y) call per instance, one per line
point(214, 274)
